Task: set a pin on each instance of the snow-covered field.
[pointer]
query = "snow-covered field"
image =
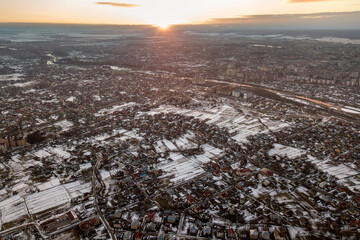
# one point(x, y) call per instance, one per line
point(107, 111)
point(339, 171)
point(182, 168)
point(12, 77)
point(351, 110)
point(65, 125)
point(12, 209)
point(55, 196)
point(48, 199)
point(26, 84)
point(285, 151)
point(48, 152)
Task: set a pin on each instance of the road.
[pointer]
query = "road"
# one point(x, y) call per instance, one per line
point(96, 204)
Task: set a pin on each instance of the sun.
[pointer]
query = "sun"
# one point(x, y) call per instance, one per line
point(163, 26)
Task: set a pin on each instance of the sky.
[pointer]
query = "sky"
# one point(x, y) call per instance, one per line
point(168, 12)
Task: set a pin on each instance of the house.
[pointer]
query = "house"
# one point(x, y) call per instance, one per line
point(254, 234)
point(240, 185)
point(117, 214)
point(352, 211)
point(266, 183)
point(265, 235)
point(223, 195)
point(151, 227)
point(161, 236)
point(127, 235)
point(193, 230)
point(278, 234)
point(240, 93)
point(151, 216)
point(171, 219)
point(231, 233)
point(220, 234)
point(206, 231)
point(72, 216)
point(138, 236)
point(226, 91)
point(135, 225)
point(243, 172)
point(3, 147)
point(266, 172)
point(94, 221)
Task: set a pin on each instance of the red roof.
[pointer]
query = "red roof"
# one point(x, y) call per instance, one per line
point(138, 235)
point(230, 231)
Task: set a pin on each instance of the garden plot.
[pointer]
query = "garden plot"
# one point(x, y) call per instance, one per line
point(181, 169)
point(164, 146)
point(107, 111)
point(77, 189)
point(169, 145)
point(46, 200)
point(12, 209)
point(285, 151)
point(339, 171)
point(52, 183)
point(186, 142)
point(160, 147)
point(42, 154)
point(58, 151)
point(54, 196)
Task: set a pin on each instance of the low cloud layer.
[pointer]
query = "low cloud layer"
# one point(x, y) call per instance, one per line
point(114, 4)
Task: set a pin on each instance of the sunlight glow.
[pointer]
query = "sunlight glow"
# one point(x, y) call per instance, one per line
point(163, 26)
point(158, 12)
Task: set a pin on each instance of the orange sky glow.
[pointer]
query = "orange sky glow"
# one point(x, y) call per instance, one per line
point(159, 12)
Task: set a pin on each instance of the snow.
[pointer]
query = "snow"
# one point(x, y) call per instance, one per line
point(181, 169)
point(65, 125)
point(185, 142)
point(52, 197)
point(12, 209)
point(71, 99)
point(241, 125)
point(52, 183)
point(339, 171)
point(27, 84)
point(48, 199)
point(160, 147)
point(107, 111)
point(85, 166)
point(170, 145)
point(77, 189)
point(42, 154)
point(351, 110)
point(60, 152)
point(285, 151)
point(12, 77)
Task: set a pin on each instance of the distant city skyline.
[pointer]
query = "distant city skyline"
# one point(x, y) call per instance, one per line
point(259, 13)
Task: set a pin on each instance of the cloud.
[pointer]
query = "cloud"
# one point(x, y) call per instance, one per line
point(306, 1)
point(332, 20)
point(114, 4)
